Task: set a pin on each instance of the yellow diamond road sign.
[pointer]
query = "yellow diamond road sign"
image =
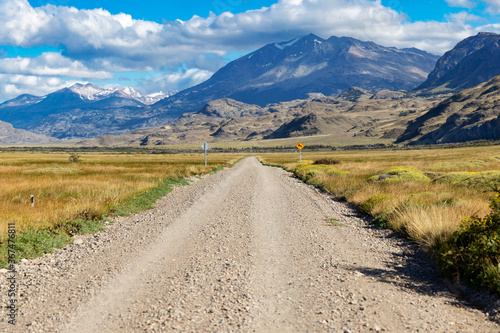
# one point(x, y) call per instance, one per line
point(299, 146)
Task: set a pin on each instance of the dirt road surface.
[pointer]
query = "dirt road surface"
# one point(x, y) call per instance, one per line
point(248, 249)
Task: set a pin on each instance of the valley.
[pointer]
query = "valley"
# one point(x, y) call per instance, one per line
point(280, 92)
point(250, 166)
point(328, 121)
point(232, 112)
point(278, 75)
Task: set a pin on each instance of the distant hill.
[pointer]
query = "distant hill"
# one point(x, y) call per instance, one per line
point(472, 61)
point(472, 114)
point(302, 126)
point(355, 94)
point(11, 135)
point(21, 100)
point(331, 118)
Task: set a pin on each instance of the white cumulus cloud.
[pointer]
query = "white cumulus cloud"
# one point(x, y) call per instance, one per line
point(98, 37)
point(50, 64)
point(13, 85)
point(461, 3)
point(493, 6)
point(174, 80)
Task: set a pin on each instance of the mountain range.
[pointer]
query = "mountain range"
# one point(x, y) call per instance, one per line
point(78, 111)
point(11, 135)
point(472, 114)
point(339, 88)
point(289, 70)
point(274, 73)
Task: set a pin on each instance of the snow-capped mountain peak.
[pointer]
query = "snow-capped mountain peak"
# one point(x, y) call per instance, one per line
point(155, 97)
point(128, 92)
point(90, 92)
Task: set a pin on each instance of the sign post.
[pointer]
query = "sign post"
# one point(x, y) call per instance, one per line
point(205, 147)
point(299, 147)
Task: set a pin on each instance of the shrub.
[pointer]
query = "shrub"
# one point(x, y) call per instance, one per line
point(81, 226)
point(401, 174)
point(486, 181)
point(74, 158)
point(327, 161)
point(306, 171)
point(455, 178)
point(368, 206)
point(311, 173)
point(472, 253)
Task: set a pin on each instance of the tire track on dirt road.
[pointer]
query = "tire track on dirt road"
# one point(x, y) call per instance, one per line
point(244, 250)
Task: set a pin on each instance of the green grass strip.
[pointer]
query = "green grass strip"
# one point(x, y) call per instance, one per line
point(147, 199)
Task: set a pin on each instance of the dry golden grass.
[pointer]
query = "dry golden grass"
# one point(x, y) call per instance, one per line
point(427, 211)
point(65, 190)
point(432, 225)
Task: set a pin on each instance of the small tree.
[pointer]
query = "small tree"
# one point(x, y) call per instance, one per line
point(74, 158)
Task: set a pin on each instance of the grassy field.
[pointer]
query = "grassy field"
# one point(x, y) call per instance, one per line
point(437, 185)
point(65, 190)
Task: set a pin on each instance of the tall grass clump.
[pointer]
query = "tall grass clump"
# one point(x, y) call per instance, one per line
point(430, 225)
point(472, 253)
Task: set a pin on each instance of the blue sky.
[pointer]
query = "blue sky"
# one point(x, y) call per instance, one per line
point(155, 45)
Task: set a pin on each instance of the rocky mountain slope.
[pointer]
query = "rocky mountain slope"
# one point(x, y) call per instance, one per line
point(11, 135)
point(472, 61)
point(472, 114)
point(289, 70)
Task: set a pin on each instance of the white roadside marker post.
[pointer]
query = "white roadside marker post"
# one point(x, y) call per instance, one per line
point(205, 147)
point(32, 201)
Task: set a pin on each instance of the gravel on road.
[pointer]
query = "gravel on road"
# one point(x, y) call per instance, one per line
point(248, 249)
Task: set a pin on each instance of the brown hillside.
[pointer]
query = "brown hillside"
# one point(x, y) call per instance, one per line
point(330, 119)
point(472, 114)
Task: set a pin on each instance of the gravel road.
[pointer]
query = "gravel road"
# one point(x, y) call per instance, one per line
point(248, 249)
